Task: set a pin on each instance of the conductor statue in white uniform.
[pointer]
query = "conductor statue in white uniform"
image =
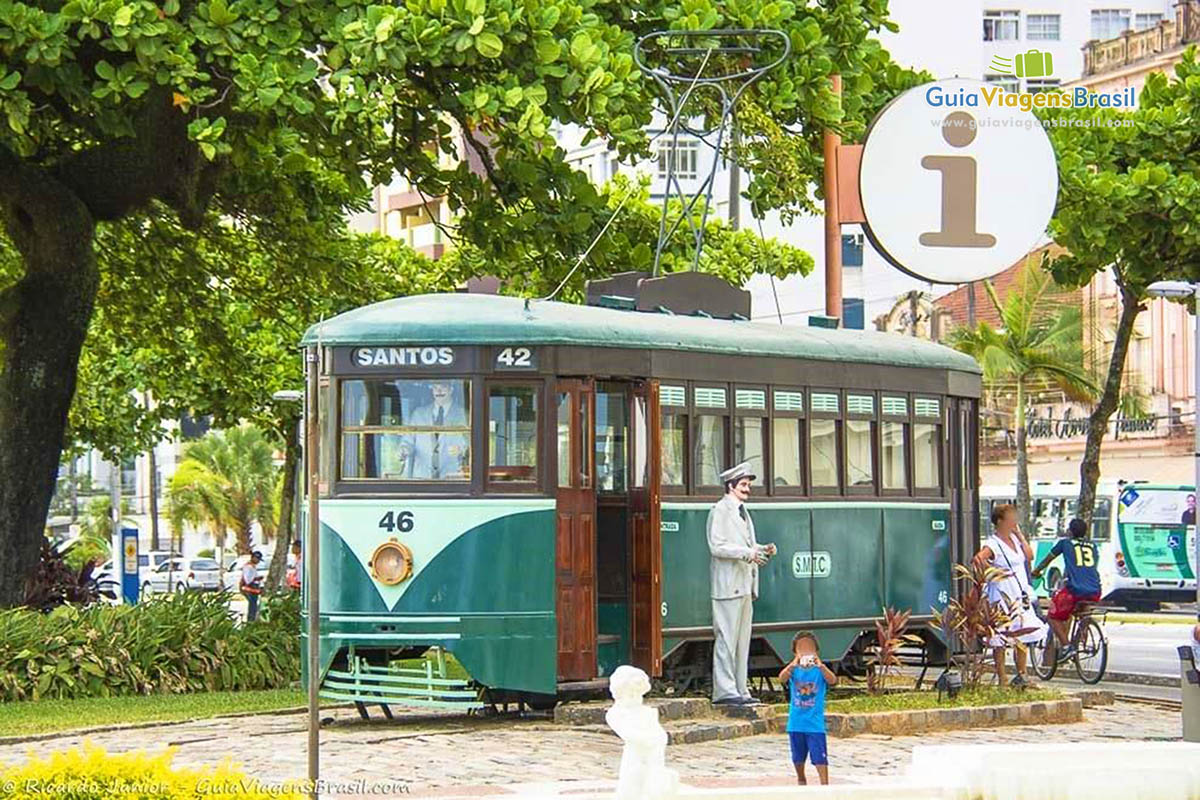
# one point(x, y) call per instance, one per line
point(736, 557)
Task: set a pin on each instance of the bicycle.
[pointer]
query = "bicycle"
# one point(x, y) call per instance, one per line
point(1088, 639)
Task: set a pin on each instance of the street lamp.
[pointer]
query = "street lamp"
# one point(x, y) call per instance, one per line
point(1179, 290)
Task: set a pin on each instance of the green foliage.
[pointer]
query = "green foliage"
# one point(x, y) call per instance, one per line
point(227, 481)
point(90, 773)
point(206, 552)
point(175, 643)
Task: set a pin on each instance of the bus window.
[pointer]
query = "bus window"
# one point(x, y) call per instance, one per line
point(406, 430)
point(927, 465)
point(1046, 517)
point(822, 452)
point(786, 451)
point(612, 428)
point(893, 463)
point(1102, 519)
point(709, 454)
point(512, 434)
point(749, 444)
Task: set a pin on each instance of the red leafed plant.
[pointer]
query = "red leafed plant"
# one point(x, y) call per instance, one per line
point(884, 653)
point(975, 620)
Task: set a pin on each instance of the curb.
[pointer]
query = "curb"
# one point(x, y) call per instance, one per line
point(133, 726)
point(897, 723)
point(1141, 679)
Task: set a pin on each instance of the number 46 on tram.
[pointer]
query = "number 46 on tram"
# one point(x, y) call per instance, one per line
point(525, 485)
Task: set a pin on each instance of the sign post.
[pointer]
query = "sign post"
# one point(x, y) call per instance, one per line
point(312, 554)
point(129, 565)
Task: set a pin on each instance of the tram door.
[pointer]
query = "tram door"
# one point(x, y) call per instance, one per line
point(645, 529)
point(575, 532)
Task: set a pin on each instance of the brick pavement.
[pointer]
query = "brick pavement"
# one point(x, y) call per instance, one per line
point(442, 755)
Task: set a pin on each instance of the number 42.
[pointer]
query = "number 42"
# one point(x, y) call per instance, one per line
point(515, 357)
point(401, 521)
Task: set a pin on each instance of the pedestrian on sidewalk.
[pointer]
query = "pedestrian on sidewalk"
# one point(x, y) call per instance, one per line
point(807, 679)
point(292, 578)
point(1008, 551)
point(251, 585)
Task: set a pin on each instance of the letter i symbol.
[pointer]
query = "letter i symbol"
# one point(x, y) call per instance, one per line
point(960, 188)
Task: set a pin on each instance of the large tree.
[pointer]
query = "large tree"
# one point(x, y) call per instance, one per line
point(276, 116)
point(1129, 198)
point(1038, 346)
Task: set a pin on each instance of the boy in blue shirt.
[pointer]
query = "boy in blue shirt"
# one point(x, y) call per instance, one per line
point(1081, 582)
point(807, 678)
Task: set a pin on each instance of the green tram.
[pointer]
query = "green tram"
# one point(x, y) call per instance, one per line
point(525, 485)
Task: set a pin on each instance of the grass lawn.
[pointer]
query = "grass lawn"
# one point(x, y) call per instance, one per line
point(917, 701)
point(49, 716)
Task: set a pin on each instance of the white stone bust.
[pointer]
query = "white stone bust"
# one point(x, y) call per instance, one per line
point(643, 774)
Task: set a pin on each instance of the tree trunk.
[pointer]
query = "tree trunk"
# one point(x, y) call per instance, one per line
point(1089, 468)
point(244, 531)
point(285, 533)
point(43, 321)
point(1024, 509)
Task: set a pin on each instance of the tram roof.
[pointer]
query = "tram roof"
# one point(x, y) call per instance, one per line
point(478, 319)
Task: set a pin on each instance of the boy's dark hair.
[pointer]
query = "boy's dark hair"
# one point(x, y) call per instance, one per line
point(806, 635)
point(1000, 511)
point(1078, 528)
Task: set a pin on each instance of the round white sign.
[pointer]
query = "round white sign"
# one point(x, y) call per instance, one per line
point(955, 185)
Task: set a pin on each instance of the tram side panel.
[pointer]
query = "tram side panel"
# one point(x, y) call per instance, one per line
point(837, 562)
point(481, 585)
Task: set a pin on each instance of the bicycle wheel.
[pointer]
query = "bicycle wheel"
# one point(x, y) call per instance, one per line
point(1091, 651)
point(1043, 657)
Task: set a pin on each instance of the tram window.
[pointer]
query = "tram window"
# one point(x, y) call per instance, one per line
point(406, 430)
point(859, 466)
point(823, 453)
point(612, 432)
point(786, 450)
point(749, 444)
point(512, 434)
point(709, 454)
point(893, 465)
point(927, 465)
point(564, 439)
point(674, 447)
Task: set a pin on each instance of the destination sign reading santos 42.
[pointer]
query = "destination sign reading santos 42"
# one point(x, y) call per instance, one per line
point(403, 356)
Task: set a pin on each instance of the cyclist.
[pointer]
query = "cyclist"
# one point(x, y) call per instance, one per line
point(1081, 582)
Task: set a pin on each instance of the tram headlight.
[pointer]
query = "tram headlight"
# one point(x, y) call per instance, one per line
point(391, 563)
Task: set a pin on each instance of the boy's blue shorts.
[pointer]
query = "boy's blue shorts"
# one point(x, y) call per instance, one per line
point(810, 746)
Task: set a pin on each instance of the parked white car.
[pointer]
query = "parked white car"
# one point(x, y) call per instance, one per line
point(153, 559)
point(196, 574)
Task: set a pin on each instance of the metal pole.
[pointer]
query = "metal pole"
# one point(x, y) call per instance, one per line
point(312, 553)
point(114, 489)
point(735, 178)
point(833, 228)
point(153, 466)
point(1196, 434)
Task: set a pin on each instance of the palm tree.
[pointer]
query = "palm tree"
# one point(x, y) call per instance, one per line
point(226, 482)
point(1038, 347)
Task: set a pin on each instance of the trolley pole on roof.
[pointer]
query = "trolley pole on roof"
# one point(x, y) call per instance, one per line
point(312, 552)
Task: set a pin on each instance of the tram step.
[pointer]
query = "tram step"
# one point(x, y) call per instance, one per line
point(669, 708)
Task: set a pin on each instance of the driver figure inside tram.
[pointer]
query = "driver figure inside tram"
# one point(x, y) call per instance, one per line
point(432, 455)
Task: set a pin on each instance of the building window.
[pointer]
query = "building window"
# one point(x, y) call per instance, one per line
point(1142, 22)
point(1109, 23)
point(685, 157)
point(852, 250)
point(1036, 85)
point(1008, 83)
point(1001, 26)
point(512, 434)
point(1043, 27)
point(406, 430)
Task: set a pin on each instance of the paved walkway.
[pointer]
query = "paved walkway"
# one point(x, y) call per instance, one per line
point(438, 755)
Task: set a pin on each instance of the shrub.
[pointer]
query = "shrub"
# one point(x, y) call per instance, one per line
point(974, 619)
point(884, 652)
point(171, 643)
point(89, 773)
point(207, 552)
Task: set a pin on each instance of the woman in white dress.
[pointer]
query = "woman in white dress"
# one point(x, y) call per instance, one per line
point(1007, 550)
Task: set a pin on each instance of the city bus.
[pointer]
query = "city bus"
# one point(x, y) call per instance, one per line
point(1146, 533)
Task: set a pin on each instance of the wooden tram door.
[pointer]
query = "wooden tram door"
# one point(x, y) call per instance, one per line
point(575, 531)
point(645, 525)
